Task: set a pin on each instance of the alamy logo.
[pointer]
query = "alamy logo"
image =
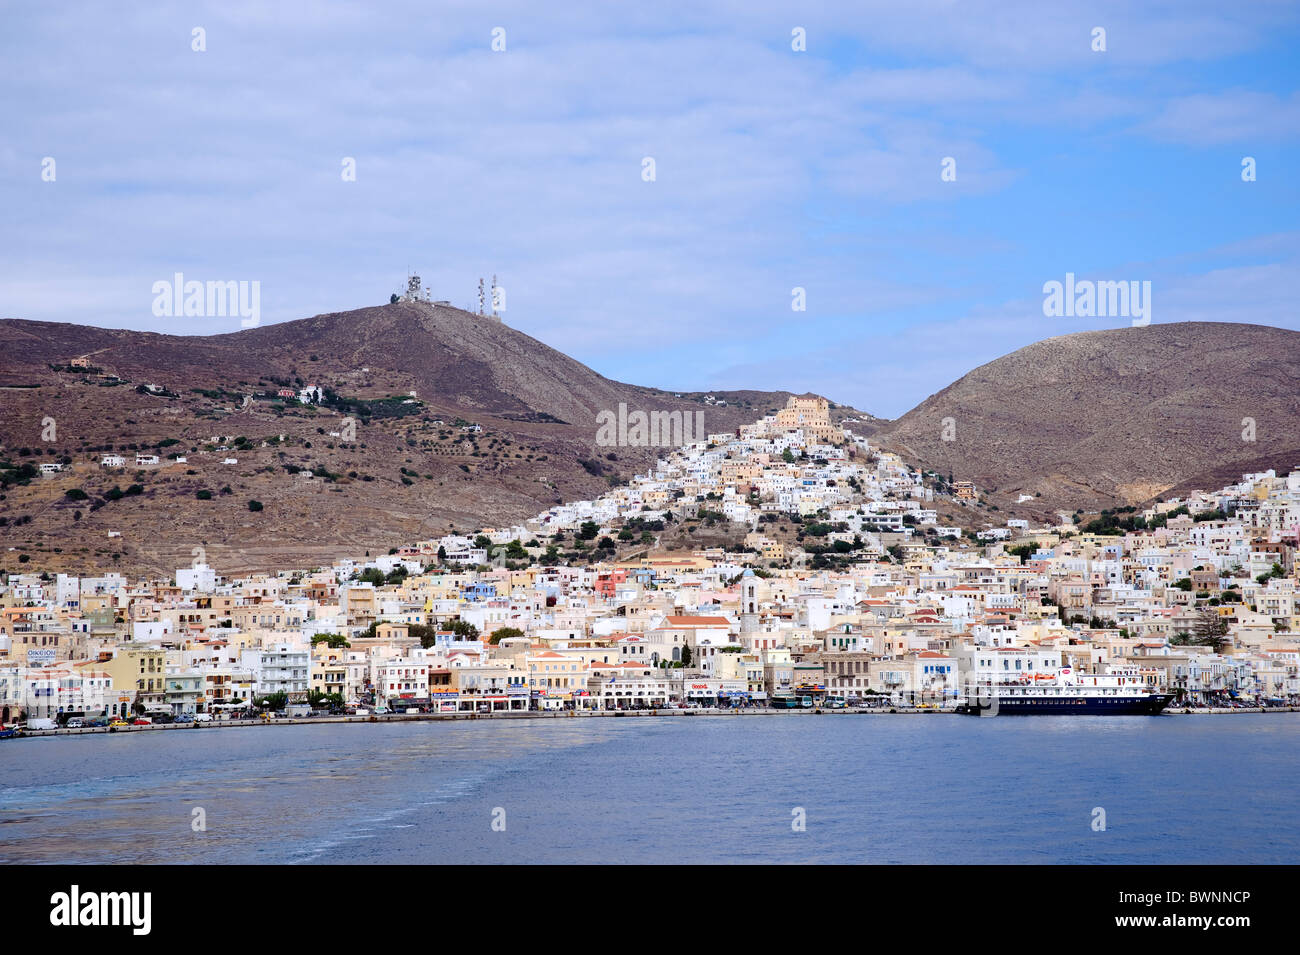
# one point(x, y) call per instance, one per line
point(73, 908)
point(179, 298)
point(1088, 299)
point(656, 429)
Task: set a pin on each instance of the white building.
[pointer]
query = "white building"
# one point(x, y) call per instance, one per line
point(278, 668)
point(198, 577)
point(402, 682)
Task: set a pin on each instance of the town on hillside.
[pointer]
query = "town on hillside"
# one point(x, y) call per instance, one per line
point(852, 588)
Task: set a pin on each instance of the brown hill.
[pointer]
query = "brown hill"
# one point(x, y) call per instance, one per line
point(413, 470)
point(1118, 416)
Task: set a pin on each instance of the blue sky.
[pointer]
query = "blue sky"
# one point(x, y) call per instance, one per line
point(774, 169)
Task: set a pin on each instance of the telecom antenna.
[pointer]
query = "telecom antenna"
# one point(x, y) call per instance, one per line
point(494, 298)
point(481, 302)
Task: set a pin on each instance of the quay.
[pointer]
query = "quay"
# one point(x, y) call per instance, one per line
point(587, 714)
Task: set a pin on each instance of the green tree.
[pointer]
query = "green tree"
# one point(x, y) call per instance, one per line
point(464, 629)
point(1024, 551)
point(319, 699)
point(1211, 630)
point(335, 640)
point(504, 633)
point(427, 635)
point(273, 701)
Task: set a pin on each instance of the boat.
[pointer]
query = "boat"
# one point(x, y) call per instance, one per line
point(1121, 693)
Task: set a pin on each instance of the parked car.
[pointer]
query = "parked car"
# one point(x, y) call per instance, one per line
point(142, 721)
point(98, 721)
point(114, 724)
point(202, 717)
point(184, 718)
point(75, 723)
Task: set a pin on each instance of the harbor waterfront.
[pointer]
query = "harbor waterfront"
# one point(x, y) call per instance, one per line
point(896, 710)
point(848, 592)
point(706, 789)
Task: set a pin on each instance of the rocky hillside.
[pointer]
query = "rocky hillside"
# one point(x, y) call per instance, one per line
point(431, 418)
point(461, 421)
point(1117, 416)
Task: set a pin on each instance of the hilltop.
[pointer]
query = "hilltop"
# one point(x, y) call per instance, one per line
point(461, 422)
point(1121, 416)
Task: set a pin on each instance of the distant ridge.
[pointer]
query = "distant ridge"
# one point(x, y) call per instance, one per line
point(1119, 416)
point(405, 477)
point(1088, 420)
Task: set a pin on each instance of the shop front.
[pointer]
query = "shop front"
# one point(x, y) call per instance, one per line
point(444, 702)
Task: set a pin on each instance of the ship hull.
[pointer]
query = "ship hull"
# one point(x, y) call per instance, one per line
point(1138, 705)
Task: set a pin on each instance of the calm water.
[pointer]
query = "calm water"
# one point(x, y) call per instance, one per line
point(897, 789)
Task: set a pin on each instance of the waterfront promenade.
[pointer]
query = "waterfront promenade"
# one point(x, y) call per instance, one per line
point(586, 714)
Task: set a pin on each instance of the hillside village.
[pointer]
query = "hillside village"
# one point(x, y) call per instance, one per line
point(844, 576)
point(357, 430)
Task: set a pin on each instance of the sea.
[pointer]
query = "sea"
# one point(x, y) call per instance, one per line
point(785, 788)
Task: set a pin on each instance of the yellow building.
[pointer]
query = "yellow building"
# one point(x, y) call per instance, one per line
point(965, 491)
point(329, 669)
point(139, 673)
point(811, 414)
